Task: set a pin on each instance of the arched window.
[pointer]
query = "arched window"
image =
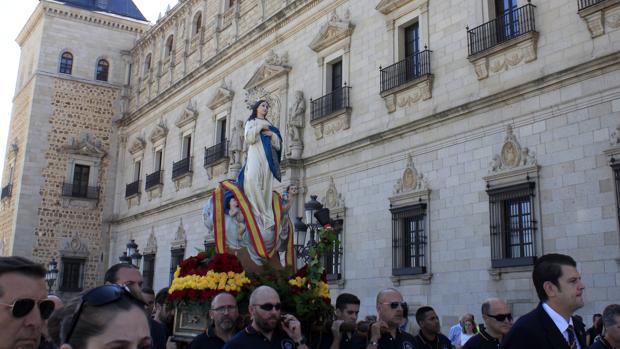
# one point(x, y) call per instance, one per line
point(169, 45)
point(102, 70)
point(197, 22)
point(66, 63)
point(147, 65)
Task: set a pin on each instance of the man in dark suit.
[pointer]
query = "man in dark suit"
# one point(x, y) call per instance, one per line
point(551, 325)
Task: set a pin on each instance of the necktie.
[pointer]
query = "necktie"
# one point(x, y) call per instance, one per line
point(572, 340)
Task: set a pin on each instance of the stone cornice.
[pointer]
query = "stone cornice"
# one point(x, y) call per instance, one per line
point(30, 24)
point(269, 27)
point(580, 72)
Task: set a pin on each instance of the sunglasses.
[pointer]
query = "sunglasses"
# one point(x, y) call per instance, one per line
point(501, 317)
point(100, 296)
point(269, 306)
point(395, 304)
point(24, 306)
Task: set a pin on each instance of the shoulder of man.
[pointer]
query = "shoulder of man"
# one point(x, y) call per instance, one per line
point(474, 342)
point(525, 330)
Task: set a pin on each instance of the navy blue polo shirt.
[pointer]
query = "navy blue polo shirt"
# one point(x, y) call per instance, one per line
point(251, 338)
point(440, 342)
point(403, 340)
point(482, 340)
point(207, 341)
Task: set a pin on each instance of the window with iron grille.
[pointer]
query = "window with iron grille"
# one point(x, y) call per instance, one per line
point(176, 257)
point(72, 274)
point(66, 63)
point(332, 260)
point(148, 270)
point(512, 225)
point(81, 174)
point(409, 240)
point(616, 168)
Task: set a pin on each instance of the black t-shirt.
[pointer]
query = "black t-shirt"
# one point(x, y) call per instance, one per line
point(249, 338)
point(403, 340)
point(440, 342)
point(207, 341)
point(600, 343)
point(482, 340)
point(593, 332)
point(159, 334)
point(346, 342)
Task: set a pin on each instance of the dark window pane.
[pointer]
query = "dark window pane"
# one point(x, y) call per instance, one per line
point(66, 63)
point(72, 270)
point(102, 70)
point(409, 240)
point(80, 180)
point(175, 259)
point(148, 270)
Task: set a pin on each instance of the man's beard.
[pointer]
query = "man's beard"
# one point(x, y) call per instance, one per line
point(264, 324)
point(226, 324)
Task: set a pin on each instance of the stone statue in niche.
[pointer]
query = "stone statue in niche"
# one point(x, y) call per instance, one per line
point(295, 125)
point(236, 143)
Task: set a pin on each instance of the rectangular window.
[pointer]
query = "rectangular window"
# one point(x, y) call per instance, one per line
point(332, 260)
point(176, 257)
point(512, 225)
point(80, 180)
point(72, 274)
point(412, 50)
point(148, 270)
point(221, 131)
point(158, 160)
point(136, 170)
point(507, 19)
point(187, 146)
point(409, 240)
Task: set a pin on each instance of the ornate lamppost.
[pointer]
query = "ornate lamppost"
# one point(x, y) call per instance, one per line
point(52, 274)
point(131, 254)
point(316, 216)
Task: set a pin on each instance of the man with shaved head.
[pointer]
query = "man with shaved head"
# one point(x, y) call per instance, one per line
point(386, 333)
point(265, 331)
point(497, 322)
point(224, 315)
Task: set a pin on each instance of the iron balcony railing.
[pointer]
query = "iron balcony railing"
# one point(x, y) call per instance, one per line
point(181, 167)
point(511, 24)
point(6, 191)
point(587, 3)
point(215, 153)
point(332, 102)
point(153, 179)
point(410, 68)
point(78, 190)
point(132, 189)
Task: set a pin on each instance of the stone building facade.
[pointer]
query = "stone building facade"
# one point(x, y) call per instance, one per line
point(452, 156)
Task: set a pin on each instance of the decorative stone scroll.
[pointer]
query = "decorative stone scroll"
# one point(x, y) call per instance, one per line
point(180, 240)
point(151, 244)
point(85, 146)
point(137, 146)
point(520, 50)
point(73, 246)
point(159, 132)
point(613, 152)
point(333, 31)
point(511, 155)
point(333, 199)
point(411, 180)
point(601, 17)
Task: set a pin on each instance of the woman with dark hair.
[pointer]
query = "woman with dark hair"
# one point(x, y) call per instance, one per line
point(262, 164)
point(107, 316)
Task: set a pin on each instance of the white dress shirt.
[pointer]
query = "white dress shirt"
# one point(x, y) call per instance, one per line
point(561, 323)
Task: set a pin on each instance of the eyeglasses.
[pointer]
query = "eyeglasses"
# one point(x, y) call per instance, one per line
point(269, 306)
point(395, 304)
point(501, 317)
point(100, 296)
point(24, 306)
point(225, 309)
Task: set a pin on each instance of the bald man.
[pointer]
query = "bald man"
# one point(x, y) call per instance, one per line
point(497, 322)
point(224, 314)
point(267, 331)
point(386, 333)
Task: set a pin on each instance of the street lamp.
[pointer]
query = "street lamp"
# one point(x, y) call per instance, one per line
point(52, 274)
point(131, 254)
point(316, 216)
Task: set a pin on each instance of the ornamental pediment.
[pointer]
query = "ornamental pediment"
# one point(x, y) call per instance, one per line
point(387, 6)
point(333, 199)
point(179, 238)
point(151, 244)
point(273, 67)
point(411, 180)
point(331, 32)
point(189, 115)
point(221, 97)
point(511, 156)
point(137, 146)
point(86, 147)
point(73, 246)
point(159, 132)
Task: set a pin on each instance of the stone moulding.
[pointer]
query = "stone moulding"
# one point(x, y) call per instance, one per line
point(159, 132)
point(601, 16)
point(137, 146)
point(221, 97)
point(520, 50)
point(273, 67)
point(408, 94)
point(332, 123)
point(333, 31)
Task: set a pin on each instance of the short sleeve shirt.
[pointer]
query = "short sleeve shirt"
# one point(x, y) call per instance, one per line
point(207, 341)
point(251, 338)
point(403, 340)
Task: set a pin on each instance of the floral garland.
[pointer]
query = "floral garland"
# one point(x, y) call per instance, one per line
point(200, 279)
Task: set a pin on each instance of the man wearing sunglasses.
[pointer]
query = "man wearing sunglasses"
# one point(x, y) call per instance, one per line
point(224, 315)
point(24, 306)
point(497, 321)
point(430, 336)
point(269, 328)
point(386, 333)
point(551, 325)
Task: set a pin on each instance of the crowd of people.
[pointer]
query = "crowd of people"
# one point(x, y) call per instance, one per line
point(120, 314)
